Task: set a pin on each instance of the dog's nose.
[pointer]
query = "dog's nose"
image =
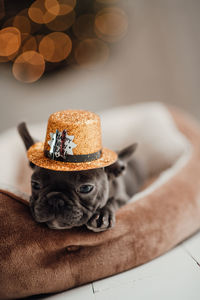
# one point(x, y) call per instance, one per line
point(54, 199)
point(56, 202)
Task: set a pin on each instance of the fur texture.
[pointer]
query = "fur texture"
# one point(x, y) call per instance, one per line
point(64, 200)
point(32, 254)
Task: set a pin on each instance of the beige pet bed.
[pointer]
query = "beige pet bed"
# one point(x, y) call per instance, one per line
point(37, 260)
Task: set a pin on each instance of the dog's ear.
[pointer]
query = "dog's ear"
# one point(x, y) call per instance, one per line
point(125, 154)
point(119, 166)
point(26, 137)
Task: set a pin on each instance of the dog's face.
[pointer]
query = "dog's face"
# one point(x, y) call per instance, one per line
point(67, 199)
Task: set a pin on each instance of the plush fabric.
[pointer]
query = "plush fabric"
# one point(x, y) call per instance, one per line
point(148, 124)
point(37, 260)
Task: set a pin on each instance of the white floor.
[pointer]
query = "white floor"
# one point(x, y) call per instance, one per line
point(175, 275)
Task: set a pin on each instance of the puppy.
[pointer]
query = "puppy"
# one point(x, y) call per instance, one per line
point(64, 200)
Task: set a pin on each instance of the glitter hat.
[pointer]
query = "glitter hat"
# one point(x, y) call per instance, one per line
point(73, 143)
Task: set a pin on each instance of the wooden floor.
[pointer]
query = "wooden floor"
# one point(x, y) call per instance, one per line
point(174, 275)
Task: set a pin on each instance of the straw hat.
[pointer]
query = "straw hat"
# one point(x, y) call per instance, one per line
point(73, 143)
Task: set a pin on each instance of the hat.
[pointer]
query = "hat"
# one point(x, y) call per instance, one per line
point(73, 143)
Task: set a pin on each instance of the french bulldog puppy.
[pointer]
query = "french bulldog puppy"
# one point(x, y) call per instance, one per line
point(64, 200)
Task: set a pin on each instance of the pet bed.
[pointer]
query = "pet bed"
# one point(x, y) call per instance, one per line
point(36, 260)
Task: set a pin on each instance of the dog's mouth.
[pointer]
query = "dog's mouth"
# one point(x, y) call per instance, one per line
point(57, 221)
point(56, 216)
point(55, 225)
point(60, 220)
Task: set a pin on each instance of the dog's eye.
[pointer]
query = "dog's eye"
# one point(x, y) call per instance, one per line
point(35, 185)
point(85, 188)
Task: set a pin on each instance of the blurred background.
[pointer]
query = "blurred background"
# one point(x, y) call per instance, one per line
point(111, 53)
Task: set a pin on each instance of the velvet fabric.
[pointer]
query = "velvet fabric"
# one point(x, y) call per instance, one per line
point(36, 260)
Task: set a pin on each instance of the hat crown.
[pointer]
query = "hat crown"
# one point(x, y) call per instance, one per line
point(82, 127)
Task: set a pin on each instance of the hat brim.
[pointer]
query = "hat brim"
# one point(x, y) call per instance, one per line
point(36, 156)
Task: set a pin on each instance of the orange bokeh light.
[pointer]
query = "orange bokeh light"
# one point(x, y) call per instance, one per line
point(52, 6)
point(66, 6)
point(22, 23)
point(34, 27)
point(38, 38)
point(29, 66)
point(55, 46)
point(91, 53)
point(43, 12)
point(84, 26)
point(29, 43)
point(62, 23)
point(10, 41)
point(111, 24)
point(25, 37)
point(4, 59)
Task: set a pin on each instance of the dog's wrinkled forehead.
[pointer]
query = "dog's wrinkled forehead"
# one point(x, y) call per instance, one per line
point(50, 176)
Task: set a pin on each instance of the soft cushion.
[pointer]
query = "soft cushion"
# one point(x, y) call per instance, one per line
point(37, 260)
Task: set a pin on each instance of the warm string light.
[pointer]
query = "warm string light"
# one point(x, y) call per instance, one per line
point(43, 12)
point(55, 46)
point(62, 22)
point(53, 31)
point(22, 23)
point(66, 6)
point(35, 27)
point(111, 24)
point(29, 66)
point(10, 41)
point(29, 42)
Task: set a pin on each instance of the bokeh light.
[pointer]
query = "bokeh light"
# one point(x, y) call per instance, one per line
point(29, 66)
point(10, 41)
point(66, 6)
point(29, 43)
point(62, 23)
point(35, 27)
point(55, 46)
point(22, 23)
point(111, 24)
point(39, 13)
point(84, 26)
point(91, 53)
point(5, 59)
point(52, 6)
point(39, 36)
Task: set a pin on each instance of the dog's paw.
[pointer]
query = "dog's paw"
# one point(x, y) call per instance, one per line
point(102, 220)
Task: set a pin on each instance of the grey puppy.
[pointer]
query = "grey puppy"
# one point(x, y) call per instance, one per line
point(64, 200)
